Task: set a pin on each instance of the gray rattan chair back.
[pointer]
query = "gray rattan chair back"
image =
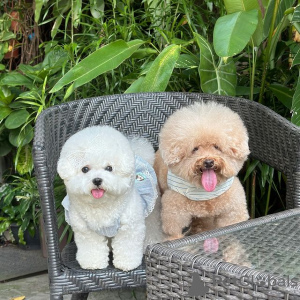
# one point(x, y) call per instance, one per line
point(272, 140)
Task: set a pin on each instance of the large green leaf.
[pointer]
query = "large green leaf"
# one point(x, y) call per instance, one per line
point(16, 79)
point(233, 6)
point(6, 35)
point(296, 14)
point(6, 96)
point(38, 7)
point(296, 104)
point(76, 12)
point(97, 8)
point(158, 76)
point(283, 94)
point(283, 6)
point(60, 8)
point(268, 18)
point(54, 61)
point(16, 119)
point(21, 138)
point(136, 86)
point(257, 36)
point(4, 112)
point(144, 52)
point(233, 32)
point(5, 147)
point(32, 72)
point(102, 60)
point(246, 90)
point(296, 59)
point(187, 61)
point(216, 79)
point(25, 162)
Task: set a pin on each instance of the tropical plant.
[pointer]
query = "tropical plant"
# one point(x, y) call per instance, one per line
point(19, 205)
point(24, 97)
point(245, 56)
point(6, 35)
point(230, 47)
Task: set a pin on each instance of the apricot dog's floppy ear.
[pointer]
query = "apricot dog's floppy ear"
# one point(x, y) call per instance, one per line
point(172, 154)
point(240, 150)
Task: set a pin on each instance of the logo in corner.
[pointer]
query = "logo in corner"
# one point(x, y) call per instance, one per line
point(197, 288)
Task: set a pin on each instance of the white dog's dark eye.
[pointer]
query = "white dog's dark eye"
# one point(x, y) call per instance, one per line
point(85, 169)
point(109, 168)
point(195, 149)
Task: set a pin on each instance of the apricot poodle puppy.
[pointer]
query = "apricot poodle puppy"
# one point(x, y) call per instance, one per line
point(202, 148)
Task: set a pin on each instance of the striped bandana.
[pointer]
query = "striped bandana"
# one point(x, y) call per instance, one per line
point(192, 192)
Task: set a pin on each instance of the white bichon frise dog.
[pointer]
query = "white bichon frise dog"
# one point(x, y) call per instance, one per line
point(111, 188)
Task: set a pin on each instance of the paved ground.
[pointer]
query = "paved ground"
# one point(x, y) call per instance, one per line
point(33, 284)
point(15, 262)
point(36, 288)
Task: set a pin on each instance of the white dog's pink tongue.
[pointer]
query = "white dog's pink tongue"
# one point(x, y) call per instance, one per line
point(209, 180)
point(97, 193)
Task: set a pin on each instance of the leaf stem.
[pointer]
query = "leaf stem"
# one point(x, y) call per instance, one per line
point(267, 52)
point(271, 174)
point(253, 185)
point(253, 70)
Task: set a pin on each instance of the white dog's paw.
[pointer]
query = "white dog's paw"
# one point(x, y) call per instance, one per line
point(127, 264)
point(91, 263)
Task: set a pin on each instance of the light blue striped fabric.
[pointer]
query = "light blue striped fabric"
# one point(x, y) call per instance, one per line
point(192, 192)
point(145, 183)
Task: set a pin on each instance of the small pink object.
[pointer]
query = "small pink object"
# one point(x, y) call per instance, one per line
point(211, 245)
point(209, 180)
point(97, 193)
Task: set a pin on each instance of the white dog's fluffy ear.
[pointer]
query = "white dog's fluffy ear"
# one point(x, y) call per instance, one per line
point(64, 168)
point(68, 163)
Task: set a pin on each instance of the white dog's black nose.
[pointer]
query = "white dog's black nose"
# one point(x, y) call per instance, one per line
point(97, 181)
point(208, 163)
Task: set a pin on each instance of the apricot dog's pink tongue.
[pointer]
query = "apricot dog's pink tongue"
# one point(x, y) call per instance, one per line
point(97, 193)
point(209, 180)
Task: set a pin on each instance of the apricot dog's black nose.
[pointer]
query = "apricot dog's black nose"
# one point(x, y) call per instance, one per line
point(97, 181)
point(208, 163)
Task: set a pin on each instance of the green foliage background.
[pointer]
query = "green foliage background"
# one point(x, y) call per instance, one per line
point(86, 48)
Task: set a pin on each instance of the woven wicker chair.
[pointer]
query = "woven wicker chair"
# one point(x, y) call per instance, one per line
point(273, 140)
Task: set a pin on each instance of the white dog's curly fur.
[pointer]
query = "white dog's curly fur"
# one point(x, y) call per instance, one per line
point(97, 165)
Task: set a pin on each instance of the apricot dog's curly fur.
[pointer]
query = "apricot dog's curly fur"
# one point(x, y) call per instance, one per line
point(196, 140)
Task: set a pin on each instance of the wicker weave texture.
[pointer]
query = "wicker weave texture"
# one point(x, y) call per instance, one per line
point(267, 250)
point(272, 140)
point(172, 280)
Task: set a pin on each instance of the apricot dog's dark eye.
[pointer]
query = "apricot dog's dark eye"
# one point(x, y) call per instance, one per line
point(85, 169)
point(195, 149)
point(217, 147)
point(109, 168)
